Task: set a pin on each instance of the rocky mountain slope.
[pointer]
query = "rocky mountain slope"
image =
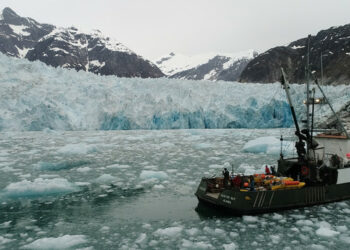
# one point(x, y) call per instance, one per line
point(226, 67)
point(70, 48)
point(332, 43)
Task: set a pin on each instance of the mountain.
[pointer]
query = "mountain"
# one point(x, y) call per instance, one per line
point(70, 48)
point(332, 43)
point(226, 67)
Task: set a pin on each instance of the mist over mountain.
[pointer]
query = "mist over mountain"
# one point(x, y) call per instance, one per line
point(333, 44)
point(24, 37)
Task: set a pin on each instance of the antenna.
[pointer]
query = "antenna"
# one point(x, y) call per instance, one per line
point(281, 153)
point(321, 69)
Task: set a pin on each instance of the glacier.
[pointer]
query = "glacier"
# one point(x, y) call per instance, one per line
point(36, 97)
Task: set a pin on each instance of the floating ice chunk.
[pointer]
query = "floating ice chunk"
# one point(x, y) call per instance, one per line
point(118, 166)
point(326, 232)
point(167, 145)
point(106, 178)
point(77, 149)
point(38, 187)
point(233, 234)
point(9, 169)
point(230, 246)
point(51, 166)
point(260, 145)
point(250, 219)
point(158, 186)
point(149, 174)
point(169, 232)
point(304, 223)
point(345, 239)
point(4, 240)
point(63, 242)
point(342, 229)
point(104, 229)
point(6, 224)
point(277, 216)
point(83, 169)
point(192, 231)
point(325, 210)
point(203, 145)
point(219, 231)
point(268, 145)
point(47, 176)
point(186, 244)
point(297, 216)
point(346, 210)
point(324, 224)
point(318, 247)
point(215, 166)
point(171, 171)
point(342, 204)
point(151, 167)
point(141, 239)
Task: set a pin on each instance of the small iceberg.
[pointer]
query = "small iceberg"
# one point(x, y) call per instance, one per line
point(269, 145)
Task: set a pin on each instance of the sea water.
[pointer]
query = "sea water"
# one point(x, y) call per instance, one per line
point(135, 190)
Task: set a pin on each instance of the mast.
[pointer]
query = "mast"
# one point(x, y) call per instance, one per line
point(308, 89)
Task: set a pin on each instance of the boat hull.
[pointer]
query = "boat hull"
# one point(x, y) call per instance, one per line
point(256, 202)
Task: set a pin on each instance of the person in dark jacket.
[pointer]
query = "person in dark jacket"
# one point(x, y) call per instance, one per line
point(252, 184)
point(226, 174)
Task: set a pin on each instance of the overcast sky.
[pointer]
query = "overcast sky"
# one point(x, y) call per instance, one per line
point(153, 28)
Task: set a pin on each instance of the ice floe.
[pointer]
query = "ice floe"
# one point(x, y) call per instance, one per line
point(149, 174)
point(62, 242)
point(268, 145)
point(169, 232)
point(38, 187)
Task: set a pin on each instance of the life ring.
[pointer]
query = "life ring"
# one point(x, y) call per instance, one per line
point(304, 170)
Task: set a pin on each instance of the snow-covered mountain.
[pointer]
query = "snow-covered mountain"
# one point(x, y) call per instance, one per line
point(34, 96)
point(227, 67)
point(333, 44)
point(70, 48)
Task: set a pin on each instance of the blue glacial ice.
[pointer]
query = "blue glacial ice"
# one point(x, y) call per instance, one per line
point(37, 97)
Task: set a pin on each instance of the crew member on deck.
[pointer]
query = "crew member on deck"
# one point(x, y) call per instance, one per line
point(226, 174)
point(267, 170)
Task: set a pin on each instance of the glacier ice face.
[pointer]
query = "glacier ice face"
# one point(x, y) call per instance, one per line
point(37, 97)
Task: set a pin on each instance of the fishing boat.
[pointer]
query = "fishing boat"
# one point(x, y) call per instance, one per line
point(319, 174)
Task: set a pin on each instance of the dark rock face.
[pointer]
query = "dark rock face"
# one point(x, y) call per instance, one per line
point(67, 47)
point(333, 44)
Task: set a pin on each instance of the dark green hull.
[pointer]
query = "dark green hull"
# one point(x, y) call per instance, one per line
point(257, 202)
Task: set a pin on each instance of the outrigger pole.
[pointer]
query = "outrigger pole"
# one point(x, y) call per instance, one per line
point(334, 113)
point(300, 146)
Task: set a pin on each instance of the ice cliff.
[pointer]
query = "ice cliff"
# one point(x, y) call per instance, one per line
point(37, 97)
